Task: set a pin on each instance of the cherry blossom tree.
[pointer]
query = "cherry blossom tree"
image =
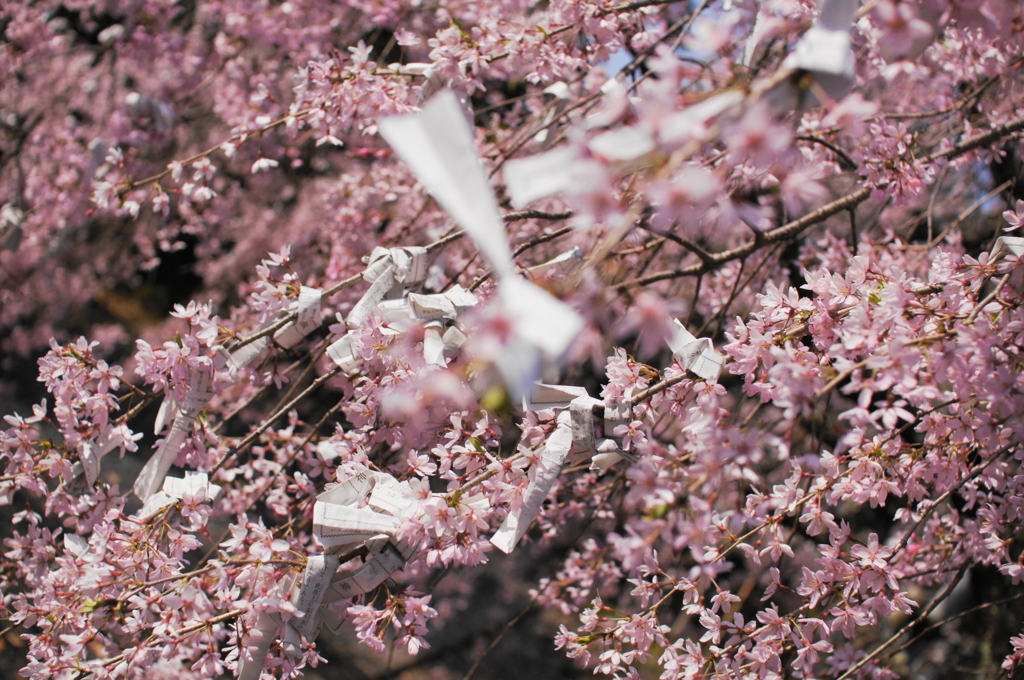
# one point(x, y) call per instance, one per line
point(702, 320)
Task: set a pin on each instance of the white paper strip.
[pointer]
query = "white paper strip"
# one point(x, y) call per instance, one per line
point(194, 484)
point(609, 453)
point(308, 308)
point(536, 177)
point(438, 145)
point(625, 145)
point(826, 49)
point(342, 353)
point(380, 287)
point(581, 411)
point(168, 411)
point(316, 581)
point(555, 451)
point(433, 344)
point(696, 356)
point(90, 462)
point(262, 637)
point(159, 464)
point(541, 322)
point(691, 122)
point(393, 497)
point(453, 339)
point(1006, 245)
point(543, 396)
point(244, 356)
point(175, 489)
point(564, 264)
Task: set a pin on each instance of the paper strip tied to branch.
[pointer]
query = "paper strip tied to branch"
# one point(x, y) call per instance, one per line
point(697, 356)
point(437, 144)
point(197, 395)
point(195, 485)
point(438, 313)
point(307, 310)
point(1006, 245)
point(199, 390)
point(367, 511)
point(573, 440)
point(91, 452)
point(393, 272)
point(826, 52)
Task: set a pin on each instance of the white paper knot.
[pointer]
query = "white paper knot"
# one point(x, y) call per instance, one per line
point(697, 356)
point(193, 485)
point(574, 439)
point(197, 394)
point(438, 145)
point(1006, 245)
point(367, 511)
point(392, 273)
point(825, 50)
point(307, 308)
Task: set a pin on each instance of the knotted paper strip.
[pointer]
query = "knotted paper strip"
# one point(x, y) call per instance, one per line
point(392, 272)
point(1006, 245)
point(364, 510)
point(340, 524)
point(437, 144)
point(826, 50)
point(308, 309)
point(546, 470)
point(573, 440)
point(697, 356)
point(262, 637)
point(197, 395)
point(193, 485)
point(90, 453)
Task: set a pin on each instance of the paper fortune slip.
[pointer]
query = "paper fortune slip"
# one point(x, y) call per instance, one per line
point(1006, 245)
point(91, 453)
point(193, 485)
point(197, 395)
point(535, 177)
point(826, 50)
point(365, 510)
point(308, 319)
point(437, 144)
point(697, 356)
point(392, 272)
point(574, 439)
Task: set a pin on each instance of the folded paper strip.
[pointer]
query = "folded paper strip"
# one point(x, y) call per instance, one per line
point(366, 510)
point(438, 145)
point(199, 390)
point(696, 355)
point(195, 485)
point(573, 441)
point(1006, 245)
point(395, 273)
